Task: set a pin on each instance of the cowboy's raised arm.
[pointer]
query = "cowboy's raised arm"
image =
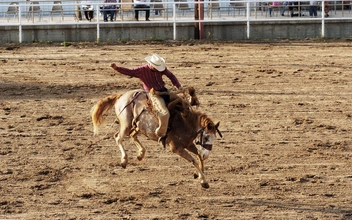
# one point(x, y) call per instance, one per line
point(125, 71)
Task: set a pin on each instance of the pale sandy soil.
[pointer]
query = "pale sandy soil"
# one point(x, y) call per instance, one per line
point(284, 110)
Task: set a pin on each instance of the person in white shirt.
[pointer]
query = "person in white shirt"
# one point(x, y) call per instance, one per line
point(88, 10)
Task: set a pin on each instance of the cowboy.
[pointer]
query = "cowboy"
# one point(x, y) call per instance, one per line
point(151, 76)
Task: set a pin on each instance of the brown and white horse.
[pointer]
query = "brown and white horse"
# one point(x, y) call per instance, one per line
point(185, 125)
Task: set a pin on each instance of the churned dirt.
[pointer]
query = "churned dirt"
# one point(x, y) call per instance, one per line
point(284, 108)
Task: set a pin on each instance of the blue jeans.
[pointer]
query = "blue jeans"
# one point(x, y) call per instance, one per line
point(284, 5)
point(139, 8)
point(109, 10)
point(313, 10)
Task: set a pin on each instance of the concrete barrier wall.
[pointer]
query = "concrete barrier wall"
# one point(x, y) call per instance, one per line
point(184, 31)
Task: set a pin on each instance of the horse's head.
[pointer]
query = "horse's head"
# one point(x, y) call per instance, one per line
point(207, 136)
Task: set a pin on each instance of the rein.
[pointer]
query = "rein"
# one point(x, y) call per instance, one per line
point(130, 102)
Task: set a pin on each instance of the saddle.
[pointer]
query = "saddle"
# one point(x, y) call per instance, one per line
point(181, 101)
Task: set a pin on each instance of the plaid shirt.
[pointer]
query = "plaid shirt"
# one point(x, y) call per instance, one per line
point(149, 77)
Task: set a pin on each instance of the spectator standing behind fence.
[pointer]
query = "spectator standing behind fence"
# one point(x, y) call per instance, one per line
point(88, 10)
point(313, 9)
point(284, 5)
point(109, 9)
point(140, 5)
point(273, 5)
point(292, 6)
point(327, 8)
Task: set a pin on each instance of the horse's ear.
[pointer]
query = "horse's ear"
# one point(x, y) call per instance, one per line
point(217, 124)
point(210, 126)
point(217, 129)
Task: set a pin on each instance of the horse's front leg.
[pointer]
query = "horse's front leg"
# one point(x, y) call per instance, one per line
point(201, 163)
point(183, 153)
point(192, 148)
point(141, 149)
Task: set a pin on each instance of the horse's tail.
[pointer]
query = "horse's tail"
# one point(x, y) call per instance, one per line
point(100, 108)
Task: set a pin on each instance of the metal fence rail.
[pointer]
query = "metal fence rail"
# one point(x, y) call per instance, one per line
point(25, 13)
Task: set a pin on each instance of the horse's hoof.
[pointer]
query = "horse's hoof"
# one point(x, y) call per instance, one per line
point(140, 156)
point(124, 163)
point(195, 175)
point(205, 185)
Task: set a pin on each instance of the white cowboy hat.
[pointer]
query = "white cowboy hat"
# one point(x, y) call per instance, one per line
point(156, 61)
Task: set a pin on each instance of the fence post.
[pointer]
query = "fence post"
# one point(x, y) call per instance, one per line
point(174, 19)
point(323, 18)
point(248, 9)
point(196, 18)
point(78, 12)
point(20, 25)
point(201, 17)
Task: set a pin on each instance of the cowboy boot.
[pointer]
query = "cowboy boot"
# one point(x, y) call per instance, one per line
point(160, 131)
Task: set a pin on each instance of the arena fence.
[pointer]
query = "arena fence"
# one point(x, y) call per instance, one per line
point(25, 15)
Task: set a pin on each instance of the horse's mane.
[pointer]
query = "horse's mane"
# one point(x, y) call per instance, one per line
point(193, 117)
point(205, 121)
point(184, 107)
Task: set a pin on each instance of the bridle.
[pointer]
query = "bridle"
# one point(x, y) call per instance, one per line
point(200, 141)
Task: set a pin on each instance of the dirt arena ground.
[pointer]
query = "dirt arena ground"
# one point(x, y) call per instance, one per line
point(284, 110)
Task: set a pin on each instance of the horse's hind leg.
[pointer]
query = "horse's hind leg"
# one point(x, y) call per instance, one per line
point(119, 138)
point(141, 149)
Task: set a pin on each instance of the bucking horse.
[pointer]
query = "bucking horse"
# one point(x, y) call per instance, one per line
point(136, 116)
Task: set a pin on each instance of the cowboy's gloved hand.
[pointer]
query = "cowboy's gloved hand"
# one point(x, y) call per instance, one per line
point(113, 65)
